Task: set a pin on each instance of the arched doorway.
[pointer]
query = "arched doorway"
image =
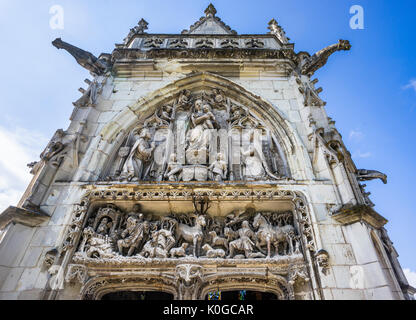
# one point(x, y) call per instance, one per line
point(242, 295)
point(137, 295)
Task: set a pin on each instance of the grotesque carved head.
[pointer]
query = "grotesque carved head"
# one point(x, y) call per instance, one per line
point(188, 273)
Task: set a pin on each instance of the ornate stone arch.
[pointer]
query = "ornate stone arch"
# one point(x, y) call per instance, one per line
point(272, 283)
point(294, 153)
point(97, 287)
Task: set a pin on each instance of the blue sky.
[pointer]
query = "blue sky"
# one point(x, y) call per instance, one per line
point(370, 90)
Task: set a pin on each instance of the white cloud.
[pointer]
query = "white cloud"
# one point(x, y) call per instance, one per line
point(18, 148)
point(411, 85)
point(356, 135)
point(362, 155)
point(411, 277)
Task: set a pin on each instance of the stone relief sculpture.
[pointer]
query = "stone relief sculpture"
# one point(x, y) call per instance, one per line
point(274, 235)
point(174, 169)
point(193, 235)
point(111, 233)
point(138, 163)
point(218, 169)
point(254, 165)
point(194, 137)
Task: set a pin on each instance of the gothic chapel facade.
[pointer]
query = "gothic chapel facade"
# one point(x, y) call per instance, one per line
point(195, 164)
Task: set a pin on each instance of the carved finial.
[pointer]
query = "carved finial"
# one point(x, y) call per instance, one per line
point(142, 26)
point(278, 31)
point(210, 11)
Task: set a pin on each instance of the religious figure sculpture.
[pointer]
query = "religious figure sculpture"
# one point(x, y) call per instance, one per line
point(174, 169)
point(199, 137)
point(218, 169)
point(167, 113)
point(244, 242)
point(254, 165)
point(104, 227)
point(138, 163)
point(133, 235)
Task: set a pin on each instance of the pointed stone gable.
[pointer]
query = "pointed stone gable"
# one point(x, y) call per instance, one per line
point(210, 24)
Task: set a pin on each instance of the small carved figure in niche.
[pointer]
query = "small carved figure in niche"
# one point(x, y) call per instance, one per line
point(218, 169)
point(244, 242)
point(180, 251)
point(167, 113)
point(236, 114)
point(184, 99)
point(104, 227)
point(254, 165)
point(174, 169)
point(213, 253)
point(139, 161)
point(133, 235)
point(297, 244)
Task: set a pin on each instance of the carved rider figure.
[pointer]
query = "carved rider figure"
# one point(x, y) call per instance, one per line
point(138, 162)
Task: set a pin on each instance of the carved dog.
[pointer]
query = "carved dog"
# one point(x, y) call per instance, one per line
point(213, 253)
point(179, 252)
point(218, 241)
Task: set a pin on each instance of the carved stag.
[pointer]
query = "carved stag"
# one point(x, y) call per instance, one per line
point(193, 235)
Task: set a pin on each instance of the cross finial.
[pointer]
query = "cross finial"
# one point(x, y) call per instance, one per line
point(142, 26)
point(210, 11)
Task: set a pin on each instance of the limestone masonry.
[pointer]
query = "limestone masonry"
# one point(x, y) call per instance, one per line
point(197, 164)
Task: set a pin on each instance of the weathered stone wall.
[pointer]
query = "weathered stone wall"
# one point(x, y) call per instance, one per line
point(356, 270)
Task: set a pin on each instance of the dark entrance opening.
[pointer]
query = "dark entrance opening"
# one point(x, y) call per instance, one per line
point(137, 295)
point(243, 295)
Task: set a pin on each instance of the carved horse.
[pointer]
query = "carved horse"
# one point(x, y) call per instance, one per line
point(268, 235)
point(193, 235)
